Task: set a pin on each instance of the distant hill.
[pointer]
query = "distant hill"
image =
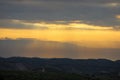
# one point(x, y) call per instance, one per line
point(60, 64)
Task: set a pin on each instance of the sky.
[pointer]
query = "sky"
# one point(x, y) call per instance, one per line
point(78, 29)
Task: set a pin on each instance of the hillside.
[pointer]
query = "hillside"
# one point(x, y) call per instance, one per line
point(60, 64)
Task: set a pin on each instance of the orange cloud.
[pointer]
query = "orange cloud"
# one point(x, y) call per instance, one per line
point(62, 25)
point(117, 16)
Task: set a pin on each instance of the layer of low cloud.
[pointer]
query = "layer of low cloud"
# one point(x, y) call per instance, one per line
point(93, 12)
point(37, 48)
point(52, 49)
point(52, 25)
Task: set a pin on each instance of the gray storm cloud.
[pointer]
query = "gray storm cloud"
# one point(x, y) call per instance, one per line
point(94, 12)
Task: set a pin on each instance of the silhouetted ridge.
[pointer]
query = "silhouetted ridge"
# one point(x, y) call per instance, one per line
point(60, 64)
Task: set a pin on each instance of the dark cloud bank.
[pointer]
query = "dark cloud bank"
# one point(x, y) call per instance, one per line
point(94, 12)
point(37, 48)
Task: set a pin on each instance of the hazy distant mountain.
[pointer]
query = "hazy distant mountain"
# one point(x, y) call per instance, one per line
point(60, 64)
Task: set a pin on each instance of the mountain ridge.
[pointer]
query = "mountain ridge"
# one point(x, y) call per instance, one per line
point(60, 64)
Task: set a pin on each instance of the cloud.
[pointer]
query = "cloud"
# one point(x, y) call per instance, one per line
point(117, 16)
point(49, 49)
point(93, 12)
point(32, 47)
point(112, 4)
point(19, 24)
point(52, 25)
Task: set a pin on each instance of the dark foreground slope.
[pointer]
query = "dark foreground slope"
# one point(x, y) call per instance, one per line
point(30, 75)
point(36, 75)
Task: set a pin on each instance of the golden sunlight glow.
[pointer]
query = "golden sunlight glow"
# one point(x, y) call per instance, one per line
point(118, 16)
point(63, 31)
point(83, 37)
point(112, 4)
